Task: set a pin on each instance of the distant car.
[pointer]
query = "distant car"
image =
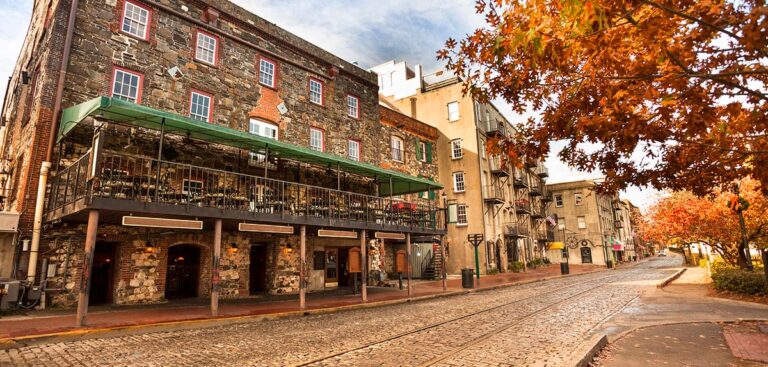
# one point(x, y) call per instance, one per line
point(663, 253)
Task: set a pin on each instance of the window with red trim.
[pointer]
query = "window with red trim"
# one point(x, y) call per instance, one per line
point(353, 150)
point(316, 91)
point(201, 106)
point(127, 85)
point(136, 20)
point(267, 72)
point(317, 139)
point(206, 47)
point(353, 106)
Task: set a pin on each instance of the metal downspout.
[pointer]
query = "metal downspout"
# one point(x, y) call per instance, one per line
point(46, 165)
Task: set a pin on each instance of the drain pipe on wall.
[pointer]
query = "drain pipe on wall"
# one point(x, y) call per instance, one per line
point(46, 166)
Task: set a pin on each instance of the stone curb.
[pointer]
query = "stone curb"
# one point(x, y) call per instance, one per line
point(71, 335)
point(586, 351)
point(671, 278)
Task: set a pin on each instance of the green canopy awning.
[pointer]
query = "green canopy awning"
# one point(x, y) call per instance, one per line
point(113, 109)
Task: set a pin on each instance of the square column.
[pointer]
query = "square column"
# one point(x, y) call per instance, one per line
point(303, 269)
point(85, 280)
point(215, 278)
point(363, 267)
point(408, 262)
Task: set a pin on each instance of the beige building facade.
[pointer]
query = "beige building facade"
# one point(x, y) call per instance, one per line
point(585, 222)
point(507, 205)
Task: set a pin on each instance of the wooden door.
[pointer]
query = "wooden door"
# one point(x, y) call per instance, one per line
point(258, 269)
point(332, 266)
point(586, 255)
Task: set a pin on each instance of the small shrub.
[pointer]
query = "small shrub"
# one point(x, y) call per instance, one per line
point(547, 261)
point(516, 266)
point(493, 271)
point(739, 281)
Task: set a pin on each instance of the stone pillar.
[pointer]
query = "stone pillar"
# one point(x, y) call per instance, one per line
point(363, 267)
point(443, 274)
point(215, 278)
point(85, 280)
point(303, 269)
point(408, 262)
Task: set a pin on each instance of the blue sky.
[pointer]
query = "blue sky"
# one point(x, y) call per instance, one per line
point(369, 32)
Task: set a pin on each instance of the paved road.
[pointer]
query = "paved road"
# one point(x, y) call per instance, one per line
point(536, 324)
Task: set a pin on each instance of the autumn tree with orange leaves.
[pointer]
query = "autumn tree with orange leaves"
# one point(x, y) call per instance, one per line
point(671, 92)
point(687, 218)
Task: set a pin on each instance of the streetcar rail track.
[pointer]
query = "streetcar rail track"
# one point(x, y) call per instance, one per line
point(462, 317)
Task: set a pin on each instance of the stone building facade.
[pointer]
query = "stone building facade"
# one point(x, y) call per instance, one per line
point(192, 62)
point(492, 198)
point(586, 222)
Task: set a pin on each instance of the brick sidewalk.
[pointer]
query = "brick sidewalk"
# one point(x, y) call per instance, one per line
point(105, 317)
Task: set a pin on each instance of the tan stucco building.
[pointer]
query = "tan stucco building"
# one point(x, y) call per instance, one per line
point(505, 204)
point(585, 222)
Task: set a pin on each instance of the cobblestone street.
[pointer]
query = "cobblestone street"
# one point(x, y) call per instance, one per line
point(522, 325)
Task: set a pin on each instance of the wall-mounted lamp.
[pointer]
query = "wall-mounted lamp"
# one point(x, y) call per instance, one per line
point(150, 247)
point(233, 248)
point(289, 248)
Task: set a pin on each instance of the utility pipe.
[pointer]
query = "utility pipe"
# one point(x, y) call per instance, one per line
point(38, 221)
point(46, 165)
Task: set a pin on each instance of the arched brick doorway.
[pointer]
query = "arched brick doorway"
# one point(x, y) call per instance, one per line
point(183, 272)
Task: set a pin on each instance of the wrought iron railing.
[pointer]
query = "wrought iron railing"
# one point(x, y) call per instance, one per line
point(522, 205)
point(143, 179)
point(516, 229)
point(493, 192)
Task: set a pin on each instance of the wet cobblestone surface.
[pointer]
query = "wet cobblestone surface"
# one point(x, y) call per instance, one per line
point(535, 324)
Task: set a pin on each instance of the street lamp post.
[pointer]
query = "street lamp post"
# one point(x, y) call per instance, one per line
point(443, 273)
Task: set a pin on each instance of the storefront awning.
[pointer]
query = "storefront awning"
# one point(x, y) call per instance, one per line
point(124, 112)
point(557, 246)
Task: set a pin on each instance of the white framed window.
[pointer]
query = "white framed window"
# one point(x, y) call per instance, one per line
point(559, 201)
point(192, 187)
point(200, 106)
point(578, 199)
point(126, 85)
point(582, 222)
point(316, 91)
point(265, 129)
point(423, 149)
point(461, 215)
point(136, 19)
point(456, 151)
point(453, 111)
point(267, 72)
point(353, 150)
point(206, 48)
point(397, 149)
point(482, 149)
point(458, 182)
point(316, 139)
point(353, 106)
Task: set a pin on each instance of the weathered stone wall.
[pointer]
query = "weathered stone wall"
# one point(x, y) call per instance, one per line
point(233, 82)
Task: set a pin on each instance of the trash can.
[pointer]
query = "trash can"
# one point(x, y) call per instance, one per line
point(564, 268)
point(467, 278)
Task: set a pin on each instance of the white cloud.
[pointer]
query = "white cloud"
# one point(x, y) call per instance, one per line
point(13, 28)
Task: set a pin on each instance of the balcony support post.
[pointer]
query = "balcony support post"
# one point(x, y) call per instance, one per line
point(215, 279)
point(363, 268)
point(303, 268)
point(85, 279)
point(266, 161)
point(408, 267)
point(159, 157)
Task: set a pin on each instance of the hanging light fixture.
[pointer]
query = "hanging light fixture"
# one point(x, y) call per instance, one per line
point(233, 248)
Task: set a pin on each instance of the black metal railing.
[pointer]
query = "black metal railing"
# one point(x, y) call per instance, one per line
point(147, 180)
point(493, 192)
point(535, 188)
point(520, 178)
point(522, 206)
point(515, 229)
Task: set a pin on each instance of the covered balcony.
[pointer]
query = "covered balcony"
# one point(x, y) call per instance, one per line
point(354, 195)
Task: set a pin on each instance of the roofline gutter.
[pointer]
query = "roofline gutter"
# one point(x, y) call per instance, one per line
point(46, 165)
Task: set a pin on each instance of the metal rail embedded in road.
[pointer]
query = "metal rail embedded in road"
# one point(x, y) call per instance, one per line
point(465, 316)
